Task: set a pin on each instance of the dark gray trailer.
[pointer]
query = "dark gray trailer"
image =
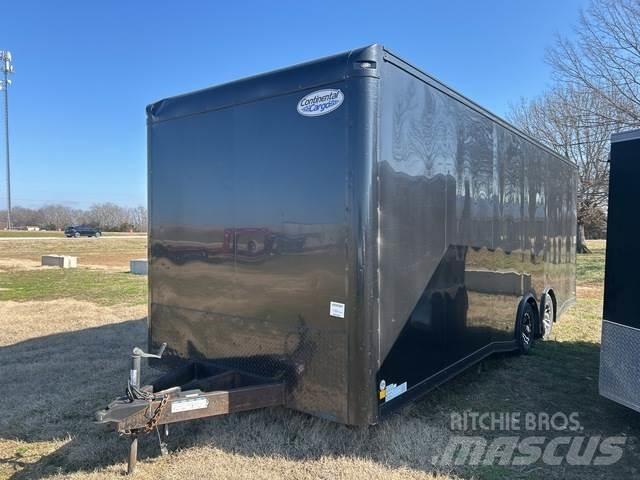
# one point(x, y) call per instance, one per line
point(620, 346)
point(352, 230)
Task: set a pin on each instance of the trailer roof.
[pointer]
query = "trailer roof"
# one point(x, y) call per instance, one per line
point(434, 82)
point(313, 74)
point(625, 136)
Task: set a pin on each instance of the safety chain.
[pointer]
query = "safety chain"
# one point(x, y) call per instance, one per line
point(153, 421)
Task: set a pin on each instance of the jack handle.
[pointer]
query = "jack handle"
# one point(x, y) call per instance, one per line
point(138, 352)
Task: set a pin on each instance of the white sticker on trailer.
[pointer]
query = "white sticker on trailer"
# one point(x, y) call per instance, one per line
point(336, 309)
point(189, 404)
point(394, 391)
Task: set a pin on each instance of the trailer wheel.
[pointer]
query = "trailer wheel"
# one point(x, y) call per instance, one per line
point(525, 328)
point(547, 317)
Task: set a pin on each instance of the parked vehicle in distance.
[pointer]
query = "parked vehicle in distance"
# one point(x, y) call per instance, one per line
point(82, 231)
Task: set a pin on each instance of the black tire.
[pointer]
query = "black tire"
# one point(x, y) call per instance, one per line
point(461, 308)
point(547, 317)
point(525, 328)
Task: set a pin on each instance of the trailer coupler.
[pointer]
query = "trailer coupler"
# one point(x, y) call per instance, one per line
point(194, 390)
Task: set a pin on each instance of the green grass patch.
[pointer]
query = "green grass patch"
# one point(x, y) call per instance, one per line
point(98, 286)
point(25, 234)
point(590, 266)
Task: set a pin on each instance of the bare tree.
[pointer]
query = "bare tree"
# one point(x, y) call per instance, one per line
point(565, 119)
point(138, 218)
point(22, 217)
point(58, 216)
point(108, 216)
point(604, 60)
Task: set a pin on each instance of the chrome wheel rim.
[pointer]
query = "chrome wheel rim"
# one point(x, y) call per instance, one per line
point(547, 319)
point(527, 328)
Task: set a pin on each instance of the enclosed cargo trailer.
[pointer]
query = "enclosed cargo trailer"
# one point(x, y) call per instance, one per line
point(620, 346)
point(353, 229)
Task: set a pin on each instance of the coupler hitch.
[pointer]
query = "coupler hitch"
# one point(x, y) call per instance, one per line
point(193, 390)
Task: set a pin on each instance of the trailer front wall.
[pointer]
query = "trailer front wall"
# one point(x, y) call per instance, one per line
point(247, 243)
point(472, 217)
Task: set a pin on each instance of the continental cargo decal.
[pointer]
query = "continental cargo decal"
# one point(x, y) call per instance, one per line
point(320, 102)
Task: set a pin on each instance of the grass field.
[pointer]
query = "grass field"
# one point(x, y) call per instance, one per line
point(53, 233)
point(64, 343)
point(103, 253)
point(25, 234)
point(97, 286)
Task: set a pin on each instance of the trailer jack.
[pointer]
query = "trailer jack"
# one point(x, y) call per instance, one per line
point(191, 391)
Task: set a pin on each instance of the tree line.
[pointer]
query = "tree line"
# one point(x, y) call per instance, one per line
point(107, 216)
point(595, 92)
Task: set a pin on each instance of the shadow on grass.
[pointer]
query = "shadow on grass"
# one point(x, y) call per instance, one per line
point(53, 385)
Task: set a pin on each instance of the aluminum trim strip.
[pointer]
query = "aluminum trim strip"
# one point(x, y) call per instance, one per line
point(625, 136)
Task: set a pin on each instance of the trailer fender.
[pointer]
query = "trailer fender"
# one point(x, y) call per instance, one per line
point(530, 299)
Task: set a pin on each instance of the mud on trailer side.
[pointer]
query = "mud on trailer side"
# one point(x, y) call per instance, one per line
point(410, 232)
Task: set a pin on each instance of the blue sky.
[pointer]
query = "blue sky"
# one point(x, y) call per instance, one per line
point(86, 70)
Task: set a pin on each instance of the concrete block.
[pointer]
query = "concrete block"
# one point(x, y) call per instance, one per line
point(62, 261)
point(138, 266)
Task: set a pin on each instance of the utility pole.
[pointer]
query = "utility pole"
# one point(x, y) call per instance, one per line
point(7, 69)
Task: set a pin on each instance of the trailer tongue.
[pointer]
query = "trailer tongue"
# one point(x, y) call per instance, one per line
point(193, 390)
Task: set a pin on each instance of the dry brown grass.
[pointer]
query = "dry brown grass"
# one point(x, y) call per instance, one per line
point(13, 264)
point(112, 253)
point(76, 359)
point(22, 321)
point(48, 352)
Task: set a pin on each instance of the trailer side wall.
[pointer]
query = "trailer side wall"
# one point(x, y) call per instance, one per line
point(472, 218)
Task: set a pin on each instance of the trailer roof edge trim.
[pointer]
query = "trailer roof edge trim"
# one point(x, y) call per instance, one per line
point(444, 88)
point(318, 73)
point(625, 136)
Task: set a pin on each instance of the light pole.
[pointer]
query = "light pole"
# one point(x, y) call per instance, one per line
point(7, 69)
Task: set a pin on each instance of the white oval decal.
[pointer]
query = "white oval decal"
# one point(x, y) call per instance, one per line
point(320, 102)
